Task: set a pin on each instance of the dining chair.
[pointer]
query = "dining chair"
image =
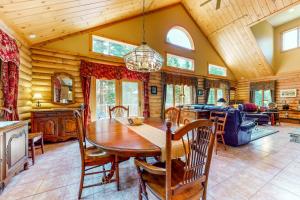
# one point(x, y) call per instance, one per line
point(118, 111)
point(91, 158)
point(186, 177)
point(172, 114)
point(35, 141)
point(222, 117)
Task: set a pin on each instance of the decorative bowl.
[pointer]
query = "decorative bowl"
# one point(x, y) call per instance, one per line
point(135, 121)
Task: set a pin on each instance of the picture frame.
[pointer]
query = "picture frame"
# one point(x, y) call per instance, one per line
point(154, 90)
point(200, 92)
point(288, 93)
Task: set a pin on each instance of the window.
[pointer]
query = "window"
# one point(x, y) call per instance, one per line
point(262, 97)
point(117, 92)
point(180, 37)
point(214, 95)
point(178, 95)
point(217, 70)
point(291, 39)
point(110, 47)
point(180, 62)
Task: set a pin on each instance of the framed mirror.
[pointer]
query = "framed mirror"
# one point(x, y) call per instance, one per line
point(62, 89)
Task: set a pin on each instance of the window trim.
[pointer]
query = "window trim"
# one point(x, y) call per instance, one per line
point(178, 68)
point(187, 34)
point(298, 39)
point(182, 90)
point(215, 74)
point(109, 40)
point(263, 97)
point(216, 95)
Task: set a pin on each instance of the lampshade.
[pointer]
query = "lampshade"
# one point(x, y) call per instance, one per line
point(143, 59)
point(37, 96)
point(221, 100)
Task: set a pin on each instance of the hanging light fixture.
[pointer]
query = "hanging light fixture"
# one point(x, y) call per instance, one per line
point(143, 58)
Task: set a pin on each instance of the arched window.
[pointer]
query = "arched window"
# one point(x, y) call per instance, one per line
point(180, 37)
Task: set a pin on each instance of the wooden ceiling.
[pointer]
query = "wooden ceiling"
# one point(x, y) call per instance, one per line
point(227, 28)
point(49, 19)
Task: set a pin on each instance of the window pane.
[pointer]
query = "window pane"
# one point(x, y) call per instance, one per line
point(169, 97)
point(130, 97)
point(180, 62)
point(211, 96)
point(178, 95)
point(217, 70)
point(220, 94)
point(111, 47)
point(290, 39)
point(267, 97)
point(105, 96)
point(180, 37)
point(188, 94)
point(258, 97)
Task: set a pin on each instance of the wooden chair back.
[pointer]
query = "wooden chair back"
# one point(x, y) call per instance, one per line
point(80, 136)
point(221, 116)
point(198, 139)
point(172, 114)
point(118, 111)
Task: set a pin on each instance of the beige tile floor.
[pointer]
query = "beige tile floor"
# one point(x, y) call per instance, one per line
point(266, 169)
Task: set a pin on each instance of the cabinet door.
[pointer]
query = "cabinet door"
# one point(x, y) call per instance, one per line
point(49, 126)
point(69, 127)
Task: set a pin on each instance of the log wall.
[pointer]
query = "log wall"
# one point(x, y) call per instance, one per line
point(285, 81)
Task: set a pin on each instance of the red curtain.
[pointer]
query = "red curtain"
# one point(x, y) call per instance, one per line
point(89, 69)
point(10, 61)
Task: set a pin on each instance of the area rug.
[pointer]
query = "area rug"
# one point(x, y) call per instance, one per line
point(262, 131)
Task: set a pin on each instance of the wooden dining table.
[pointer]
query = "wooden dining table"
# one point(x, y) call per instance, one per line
point(118, 139)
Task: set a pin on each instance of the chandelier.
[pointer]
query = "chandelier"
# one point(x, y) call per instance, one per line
point(143, 58)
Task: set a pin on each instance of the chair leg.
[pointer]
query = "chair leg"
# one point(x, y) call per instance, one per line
point(32, 152)
point(216, 144)
point(140, 192)
point(223, 141)
point(81, 182)
point(42, 144)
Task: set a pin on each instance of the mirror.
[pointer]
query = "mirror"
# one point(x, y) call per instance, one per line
point(62, 88)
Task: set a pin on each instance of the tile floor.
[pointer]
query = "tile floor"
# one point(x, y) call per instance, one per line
point(266, 169)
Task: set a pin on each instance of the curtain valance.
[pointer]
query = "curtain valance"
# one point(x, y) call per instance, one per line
point(224, 84)
point(178, 79)
point(9, 61)
point(98, 70)
point(9, 51)
point(264, 85)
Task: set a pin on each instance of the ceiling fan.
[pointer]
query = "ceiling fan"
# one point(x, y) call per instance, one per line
point(217, 6)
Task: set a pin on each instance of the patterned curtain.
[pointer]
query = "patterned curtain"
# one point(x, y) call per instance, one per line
point(224, 84)
point(97, 70)
point(10, 61)
point(263, 85)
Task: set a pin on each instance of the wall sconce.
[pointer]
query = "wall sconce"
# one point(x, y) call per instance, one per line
point(38, 97)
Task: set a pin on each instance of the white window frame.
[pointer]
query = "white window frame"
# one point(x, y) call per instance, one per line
point(186, 33)
point(217, 66)
point(298, 38)
point(181, 57)
point(216, 94)
point(110, 41)
point(182, 93)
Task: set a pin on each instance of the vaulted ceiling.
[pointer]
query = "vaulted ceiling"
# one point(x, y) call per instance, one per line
point(227, 28)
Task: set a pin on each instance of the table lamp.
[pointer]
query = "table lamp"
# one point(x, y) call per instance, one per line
point(38, 97)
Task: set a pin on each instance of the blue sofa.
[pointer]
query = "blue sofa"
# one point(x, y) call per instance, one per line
point(260, 117)
point(237, 128)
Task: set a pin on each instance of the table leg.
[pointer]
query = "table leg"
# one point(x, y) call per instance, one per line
point(117, 172)
point(272, 119)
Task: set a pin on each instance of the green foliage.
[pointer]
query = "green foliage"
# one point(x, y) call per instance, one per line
point(179, 62)
point(111, 48)
point(216, 70)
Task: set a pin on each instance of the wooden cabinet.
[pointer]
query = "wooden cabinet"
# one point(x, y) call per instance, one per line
point(13, 149)
point(56, 125)
point(191, 114)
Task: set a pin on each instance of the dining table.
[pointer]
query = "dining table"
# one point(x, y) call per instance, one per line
point(119, 139)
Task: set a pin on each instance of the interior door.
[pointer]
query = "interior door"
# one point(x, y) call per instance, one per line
point(131, 97)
